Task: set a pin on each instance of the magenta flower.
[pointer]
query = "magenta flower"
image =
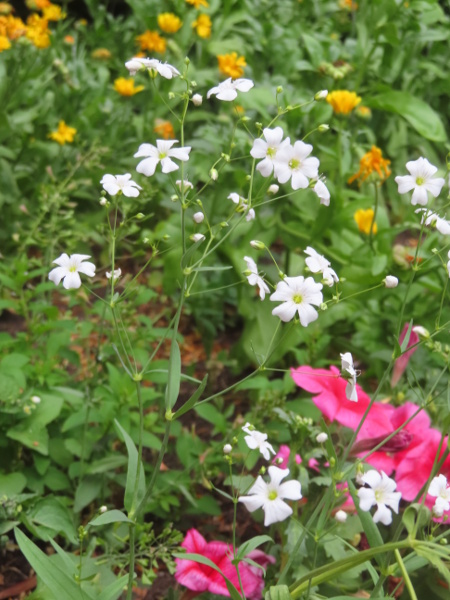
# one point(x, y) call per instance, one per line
point(284, 453)
point(402, 361)
point(201, 578)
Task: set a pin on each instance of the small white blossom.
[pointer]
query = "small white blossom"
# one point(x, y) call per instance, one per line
point(322, 95)
point(268, 150)
point(116, 274)
point(321, 438)
point(114, 184)
point(420, 180)
point(431, 218)
point(298, 295)
point(197, 237)
point(347, 365)
point(235, 198)
point(35, 399)
point(293, 163)
point(103, 509)
point(381, 492)
point(214, 174)
point(317, 263)
point(103, 202)
point(197, 100)
point(153, 65)
point(185, 184)
point(270, 496)
point(390, 281)
point(321, 190)
point(257, 440)
point(341, 516)
point(227, 90)
point(68, 270)
point(441, 491)
point(227, 449)
point(162, 153)
point(250, 215)
point(421, 331)
point(273, 189)
point(199, 217)
point(253, 277)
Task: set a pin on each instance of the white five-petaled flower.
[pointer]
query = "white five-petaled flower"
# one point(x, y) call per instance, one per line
point(257, 440)
point(268, 150)
point(227, 90)
point(165, 70)
point(319, 264)
point(254, 279)
point(115, 274)
point(322, 192)
point(163, 153)
point(298, 295)
point(114, 184)
point(270, 496)
point(68, 270)
point(439, 489)
point(347, 365)
point(420, 180)
point(381, 492)
point(431, 218)
point(293, 163)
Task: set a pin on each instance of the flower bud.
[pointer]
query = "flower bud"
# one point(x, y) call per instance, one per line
point(257, 244)
point(322, 95)
point(197, 237)
point(214, 174)
point(321, 438)
point(35, 399)
point(198, 217)
point(227, 449)
point(390, 281)
point(103, 509)
point(273, 189)
point(197, 99)
point(323, 127)
point(280, 89)
point(340, 516)
point(174, 197)
point(140, 216)
point(421, 332)
point(171, 95)
point(103, 201)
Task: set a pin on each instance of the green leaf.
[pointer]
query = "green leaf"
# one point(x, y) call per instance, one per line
point(189, 253)
point(417, 112)
point(58, 582)
point(370, 529)
point(278, 592)
point(173, 383)
point(193, 399)
point(113, 589)
point(132, 471)
point(110, 516)
point(87, 491)
point(247, 547)
point(12, 484)
point(235, 595)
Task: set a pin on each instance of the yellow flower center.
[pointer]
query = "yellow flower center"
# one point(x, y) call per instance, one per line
point(273, 495)
point(420, 180)
point(297, 298)
point(271, 151)
point(294, 163)
point(162, 155)
point(73, 269)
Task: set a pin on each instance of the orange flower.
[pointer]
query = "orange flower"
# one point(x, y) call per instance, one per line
point(53, 12)
point(169, 23)
point(5, 44)
point(198, 3)
point(37, 4)
point(203, 26)
point(364, 220)
point(63, 134)
point(151, 41)
point(126, 87)
point(12, 27)
point(37, 31)
point(69, 39)
point(370, 162)
point(343, 101)
point(231, 65)
point(348, 4)
point(164, 129)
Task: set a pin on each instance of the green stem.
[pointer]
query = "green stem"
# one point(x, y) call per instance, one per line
point(132, 560)
point(374, 218)
point(408, 583)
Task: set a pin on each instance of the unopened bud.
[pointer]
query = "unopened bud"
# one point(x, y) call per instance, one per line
point(140, 216)
point(321, 95)
point(323, 306)
point(279, 89)
point(199, 217)
point(103, 201)
point(421, 332)
point(171, 95)
point(186, 61)
point(103, 509)
point(273, 189)
point(214, 174)
point(257, 244)
point(227, 449)
point(35, 399)
point(341, 516)
point(174, 197)
point(321, 438)
point(197, 237)
point(197, 100)
point(323, 127)
point(390, 281)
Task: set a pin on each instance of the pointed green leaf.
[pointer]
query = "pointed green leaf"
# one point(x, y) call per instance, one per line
point(278, 592)
point(110, 516)
point(193, 399)
point(132, 471)
point(247, 547)
point(113, 590)
point(173, 383)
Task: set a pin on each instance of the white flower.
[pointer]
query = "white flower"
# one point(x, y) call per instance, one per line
point(381, 492)
point(197, 100)
point(103, 509)
point(235, 198)
point(250, 215)
point(227, 449)
point(68, 269)
point(152, 64)
point(321, 95)
point(114, 184)
point(347, 365)
point(254, 279)
point(421, 331)
point(341, 516)
point(185, 184)
point(257, 440)
point(420, 180)
point(298, 295)
point(319, 264)
point(116, 274)
point(390, 281)
point(321, 438)
point(269, 496)
point(227, 90)
point(293, 163)
point(197, 237)
point(162, 153)
point(322, 192)
point(267, 150)
point(431, 218)
point(199, 217)
point(439, 489)
point(35, 399)
point(103, 202)
point(273, 189)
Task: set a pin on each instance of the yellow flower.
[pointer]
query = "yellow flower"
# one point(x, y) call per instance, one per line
point(5, 8)
point(37, 4)
point(151, 41)
point(53, 13)
point(198, 3)
point(164, 129)
point(348, 4)
point(363, 112)
point(63, 134)
point(101, 54)
point(12, 27)
point(203, 26)
point(5, 44)
point(231, 65)
point(37, 31)
point(370, 162)
point(364, 220)
point(343, 101)
point(125, 87)
point(169, 23)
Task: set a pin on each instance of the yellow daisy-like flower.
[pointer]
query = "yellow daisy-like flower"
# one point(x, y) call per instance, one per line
point(231, 65)
point(12, 27)
point(126, 87)
point(5, 44)
point(63, 134)
point(101, 54)
point(370, 162)
point(151, 41)
point(37, 31)
point(343, 101)
point(169, 23)
point(164, 129)
point(364, 220)
point(198, 3)
point(203, 26)
point(53, 13)
point(5, 8)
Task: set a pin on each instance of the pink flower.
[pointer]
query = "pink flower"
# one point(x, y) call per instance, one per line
point(284, 452)
point(402, 361)
point(201, 578)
